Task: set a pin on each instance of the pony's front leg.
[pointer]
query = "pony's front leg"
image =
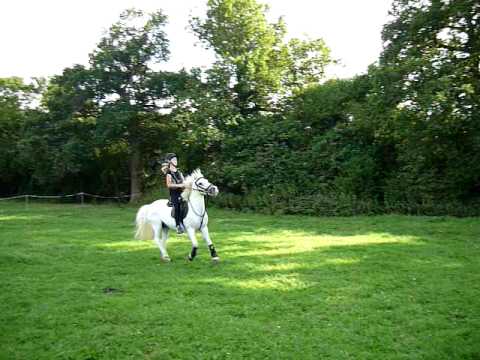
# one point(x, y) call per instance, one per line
point(193, 239)
point(211, 247)
point(160, 243)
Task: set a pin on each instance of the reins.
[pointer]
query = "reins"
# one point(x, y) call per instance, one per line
point(205, 191)
point(201, 216)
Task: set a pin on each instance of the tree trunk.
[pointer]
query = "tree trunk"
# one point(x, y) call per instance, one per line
point(472, 47)
point(135, 175)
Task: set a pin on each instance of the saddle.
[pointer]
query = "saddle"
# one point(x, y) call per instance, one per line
point(183, 209)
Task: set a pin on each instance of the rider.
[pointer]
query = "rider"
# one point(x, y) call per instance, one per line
point(175, 183)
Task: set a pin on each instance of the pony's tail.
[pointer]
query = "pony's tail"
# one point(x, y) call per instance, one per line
point(143, 230)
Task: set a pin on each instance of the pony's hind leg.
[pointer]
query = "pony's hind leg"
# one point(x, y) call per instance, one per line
point(160, 243)
point(211, 247)
point(191, 236)
point(163, 240)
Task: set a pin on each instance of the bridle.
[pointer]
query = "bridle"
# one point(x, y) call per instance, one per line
point(204, 191)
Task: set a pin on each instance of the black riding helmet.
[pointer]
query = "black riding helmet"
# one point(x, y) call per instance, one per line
point(165, 163)
point(170, 156)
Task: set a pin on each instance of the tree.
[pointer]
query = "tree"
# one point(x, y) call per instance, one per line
point(432, 51)
point(16, 109)
point(305, 63)
point(256, 62)
point(126, 86)
point(64, 132)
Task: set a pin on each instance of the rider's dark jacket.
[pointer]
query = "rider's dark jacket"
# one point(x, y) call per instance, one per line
point(175, 194)
point(177, 178)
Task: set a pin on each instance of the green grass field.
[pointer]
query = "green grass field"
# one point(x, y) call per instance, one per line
point(74, 285)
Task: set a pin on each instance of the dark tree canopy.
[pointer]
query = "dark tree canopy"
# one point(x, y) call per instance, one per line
point(262, 120)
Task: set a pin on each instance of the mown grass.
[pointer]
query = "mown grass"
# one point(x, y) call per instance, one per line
point(74, 285)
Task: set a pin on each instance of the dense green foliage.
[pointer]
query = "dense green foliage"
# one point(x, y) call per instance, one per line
point(97, 126)
point(253, 57)
point(15, 116)
point(75, 286)
point(404, 137)
point(262, 122)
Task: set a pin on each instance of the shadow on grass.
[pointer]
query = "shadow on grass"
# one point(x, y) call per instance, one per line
point(369, 261)
point(385, 298)
point(395, 287)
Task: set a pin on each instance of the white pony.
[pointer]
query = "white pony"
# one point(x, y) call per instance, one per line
point(155, 219)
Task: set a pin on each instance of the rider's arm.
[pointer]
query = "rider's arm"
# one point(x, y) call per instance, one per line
point(185, 185)
point(172, 185)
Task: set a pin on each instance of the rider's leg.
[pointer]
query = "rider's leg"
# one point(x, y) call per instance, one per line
point(178, 215)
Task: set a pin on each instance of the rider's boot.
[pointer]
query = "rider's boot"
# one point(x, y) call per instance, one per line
point(180, 229)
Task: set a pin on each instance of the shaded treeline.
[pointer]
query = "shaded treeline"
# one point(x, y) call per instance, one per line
point(261, 122)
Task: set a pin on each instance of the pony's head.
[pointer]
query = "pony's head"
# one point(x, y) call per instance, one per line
point(197, 182)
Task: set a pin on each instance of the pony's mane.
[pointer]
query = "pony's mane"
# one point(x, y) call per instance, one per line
point(196, 174)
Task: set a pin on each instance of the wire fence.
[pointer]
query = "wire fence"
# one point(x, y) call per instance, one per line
point(81, 197)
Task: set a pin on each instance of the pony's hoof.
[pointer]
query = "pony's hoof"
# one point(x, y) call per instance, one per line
point(166, 259)
point(215, 259)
